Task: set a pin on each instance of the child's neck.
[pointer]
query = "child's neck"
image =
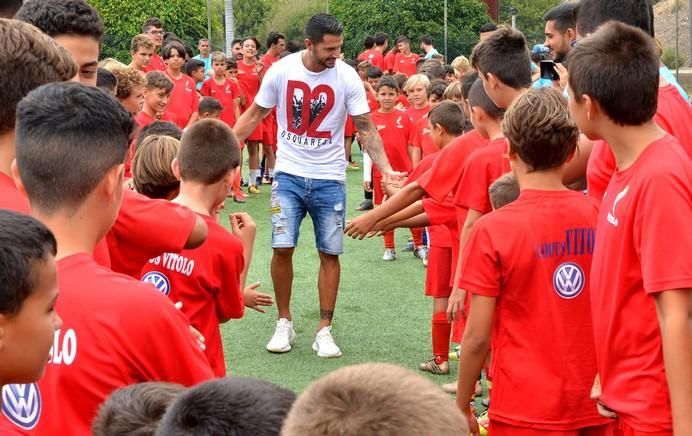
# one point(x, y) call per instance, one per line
point(134, 66)
point(383, 110)
point(200, 198)
point(147, 110)
point(63, 224)
point(629, 142)
point(447, 139)
point(220, 79)
point(548, 180)
point(494, 131)
point(176, 74)
point(420, 105)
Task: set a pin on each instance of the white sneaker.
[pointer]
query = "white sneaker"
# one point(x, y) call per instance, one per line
point(283, 338)
point(421, 253)
point(389, 255)
point(324, 343)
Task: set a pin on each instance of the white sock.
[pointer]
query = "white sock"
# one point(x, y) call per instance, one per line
point(271, 172)
point(254, 174)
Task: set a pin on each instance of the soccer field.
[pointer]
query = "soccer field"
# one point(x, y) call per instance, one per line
point(381, 314)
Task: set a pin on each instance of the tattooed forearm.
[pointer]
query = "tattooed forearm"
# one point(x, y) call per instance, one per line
point(371, 142)
point(326, 314)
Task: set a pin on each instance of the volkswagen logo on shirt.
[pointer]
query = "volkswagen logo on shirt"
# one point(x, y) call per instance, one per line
point(568, 280)
point(21, 404)
point(159, 281)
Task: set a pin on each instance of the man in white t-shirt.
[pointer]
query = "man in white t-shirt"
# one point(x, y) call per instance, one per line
point(313, 91)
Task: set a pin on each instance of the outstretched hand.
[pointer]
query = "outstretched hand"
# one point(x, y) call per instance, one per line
point(254, 300)
point(359, 227)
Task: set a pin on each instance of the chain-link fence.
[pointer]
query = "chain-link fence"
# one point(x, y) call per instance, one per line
point(674, 36)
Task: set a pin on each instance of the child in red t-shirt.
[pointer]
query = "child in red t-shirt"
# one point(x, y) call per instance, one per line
point(116, 331)
point(526, 266)
point(183, 103)
point(209, 280)
point(416, 88)
point(157, 93)
point(405, 61)
point(395, 128)
point(641, 263)
point(421, 141)
point(223, 89)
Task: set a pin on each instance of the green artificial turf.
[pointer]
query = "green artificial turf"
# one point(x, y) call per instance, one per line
point(381, 314)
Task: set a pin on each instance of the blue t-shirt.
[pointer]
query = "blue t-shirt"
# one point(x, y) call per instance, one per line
point(670, 78)
point(207, 68)
point(430, 54)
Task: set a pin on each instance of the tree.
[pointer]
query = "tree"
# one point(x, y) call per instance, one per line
point(413, 18)
point(123, 20)
point(529, 17)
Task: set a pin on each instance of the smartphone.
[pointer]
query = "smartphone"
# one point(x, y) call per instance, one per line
point(548, 70)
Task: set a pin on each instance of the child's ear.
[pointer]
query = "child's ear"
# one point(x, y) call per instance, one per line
point(112, 183)
point(591, 106)
point(230, 176)
point(175, 166)
point(14, 170)
point(491, 81)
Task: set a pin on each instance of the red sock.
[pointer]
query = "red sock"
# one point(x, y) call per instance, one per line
point(441, 329)
point(236, 185)
point(417, 234)
point(389, 239)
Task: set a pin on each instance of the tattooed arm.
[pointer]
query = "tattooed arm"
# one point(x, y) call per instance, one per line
point(249, 121)
point(372, 144)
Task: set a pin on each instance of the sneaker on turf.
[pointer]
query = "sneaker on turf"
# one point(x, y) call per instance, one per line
point(389, 255)
point(434, 367)
point(283, 338)
point(253, 189)
point(450, 388)
point(421, 253)
point(365, 205)
point(324, 343)
point(266, 180)
point(409, 245)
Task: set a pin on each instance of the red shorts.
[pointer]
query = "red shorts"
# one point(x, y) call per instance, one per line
point(622, 429)
point(350, 129)
point(438, 271)
point(497, 428)
point(269, 129)
point(256, 134)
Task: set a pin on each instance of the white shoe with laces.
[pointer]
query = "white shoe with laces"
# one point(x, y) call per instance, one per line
point(324, 344)
point(283, 338)
point(389, 255)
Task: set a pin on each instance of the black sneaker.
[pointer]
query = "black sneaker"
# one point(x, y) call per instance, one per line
point(365, 205)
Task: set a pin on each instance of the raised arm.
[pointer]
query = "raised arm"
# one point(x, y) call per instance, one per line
point(372, 144)
point(249, 121)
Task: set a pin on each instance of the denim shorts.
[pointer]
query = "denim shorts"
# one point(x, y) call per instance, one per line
point(325, 200)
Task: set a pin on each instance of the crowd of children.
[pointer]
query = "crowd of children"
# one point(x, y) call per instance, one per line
point(551, 216)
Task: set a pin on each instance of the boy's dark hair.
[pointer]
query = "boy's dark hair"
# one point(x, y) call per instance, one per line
point(479, 98)
point(171, 45)
point(503, 191)
point(231, 63)
point(8, 8)
point(193, 65)
point(62, 17)
point(135, 410)
point(28, 59)
point(294, 46)
point(427, 40)
point(380, 38)
point(368, 42)
point(151, 22)
point(505, 55)
point(158, 128)
point(274, 37)
point(389, 82)
point(106, 80)
point(437, 88)
point(563, 16)
point(158, 79)
point(322, 24)
point(403, 39)
point(236, 41)
point(449, 115)
point(351, 63)
point(46, 152)
point(233, 406)
point(449, 70)
point(433, 70)
point(374, 399)
point(400, 79)
point(488, 27)
point(612, 62)
point(209, 104)
point(467, 81)
point(208, 151)
point(373, 73)
point(540, 129)
point(24, 242)
point(593, 13)
point(251, 38)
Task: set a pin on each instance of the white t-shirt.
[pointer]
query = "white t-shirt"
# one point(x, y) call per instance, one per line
point(310, 136)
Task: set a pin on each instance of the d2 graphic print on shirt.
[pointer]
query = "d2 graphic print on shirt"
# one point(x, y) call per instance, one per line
point(307, 108)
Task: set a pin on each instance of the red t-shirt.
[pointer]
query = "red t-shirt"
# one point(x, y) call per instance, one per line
point(143, 119)
point(207, 281)
point(445, 174)
point(406, 64)
point(482, 168)
point(642, 248)
point(156, 64)
point(226, 94)
point(673, 114)
point(116, 332)
point(389, 60)
point(183, 100)
point(146, 228)
point(10, 197)
point(534, 256)
point(373, 104)
point(249, 81)
point(438, 235)
point(417, 114)
point(373, 56)
point(268, 60)
point(421, 137)
point(395, 130)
